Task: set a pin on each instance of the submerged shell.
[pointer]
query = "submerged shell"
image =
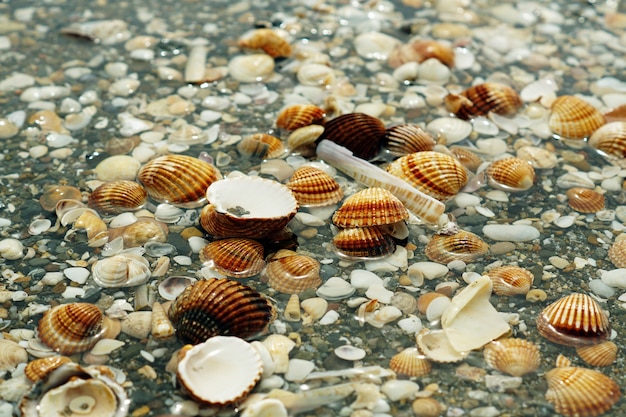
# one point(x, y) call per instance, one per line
point(293, 274)
point(581, 392)
point(11, 355)
point(610, 138)
point(312, 187)
point(602, 354)
point(585, 200)
point(421, 50)
point(297, 116)
point(234, 257)
point(469, 159)
point(410, 362)
point(261, 145)
point(363, 243)
point(511, 174)
point(510, 280)
point(617, 253)
point(370, 207)
point(145, 229)
point(464, 246)
point(178, 179)
point(515, 357)
point(574, 320)
point(54, 193)
point(71, 328)
point(361, 133)
point(574, 118)
point(268, 40)
point(123, 270)
point(39, 369)
point(439, 175)
point(481, 99)
point(219, 307)
point(408, 138)
point(117, 197)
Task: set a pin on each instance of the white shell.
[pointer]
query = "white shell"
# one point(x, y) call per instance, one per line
point(279, 347)
point(124, 270)
point(335, 288)
point(11, 249)
point(251, 68)
point(314, 308)
point(267, 407)
point(436, 346)
point(451, 128)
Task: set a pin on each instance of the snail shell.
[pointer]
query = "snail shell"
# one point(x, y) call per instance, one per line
point(481, 99)
point(161, 326)
point(574, 118)
point(292, 309)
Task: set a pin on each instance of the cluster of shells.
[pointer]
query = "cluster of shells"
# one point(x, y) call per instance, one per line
point(211, 266)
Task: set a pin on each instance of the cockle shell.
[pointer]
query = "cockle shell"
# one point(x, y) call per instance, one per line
point(178, 179)
point(427, 407)
point(312, 187)
point(117, 197)
point(408, 138)
point(363, 243)
point(580, 392)
point(261, 145)
point(515, 357)
point(11, 355)
point(302, 140)
point(602, 354)
point(358, 132)
point(293, 274)
point(410, 362)
point(617, 253)
point(234, 257)
point(421, 50)
point(463, 245)
point(574, 118)
point(145, 229)
point(219, 307)
point(268, 40)
point(439, 175)
point(510, 280)
point(39, 369)
point(297, 116)
point(574, 320)
point(123, 270)
point(370, 207)
point(585, 200)
point(511, 174)
point(481, 99)
point(610, 138)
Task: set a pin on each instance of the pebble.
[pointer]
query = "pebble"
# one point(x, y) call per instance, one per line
point(362, 279)
point(502, 383)
point(380, 293)
point(558, 262)
point(615, 278)
point(511, 232)
point(601, 289)
point(76, 274)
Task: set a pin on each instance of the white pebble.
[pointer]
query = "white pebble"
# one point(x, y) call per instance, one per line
point(599, 288)
point(362, 279)
point(330, 317)
point(615, 278)
point(298, 369)
point(76, 274)
point(380, 293)
point(510, 232)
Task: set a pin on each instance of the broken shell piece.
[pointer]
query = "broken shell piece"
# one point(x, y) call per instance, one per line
point(11, 355)
point(314, 309)
point(279, 347)
point(436, 346)
point(267, 407)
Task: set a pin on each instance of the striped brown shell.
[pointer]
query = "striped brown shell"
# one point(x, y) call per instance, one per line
point(38, 369)
point(296, 116)
point(268, 40)
point(512, 356)
point(293, 273)
point(71, 328)
point(574, 320)
point(410, 362)
point(481, 99)
point(469, 159)
point(617, 253)
point(511, 174)
point(439, 175)
point(464, 246)
point(117, 197)
point(610, 138)
point(572, 117)
point(408, 138)
point(261, 145)
point(370, 207)
point(234, 257)
point(312, 187)
point(363, 243)
point(219, 307)
point(362, 134)
point(178, 179)
point(510, 280)
point(602, 354)
point(585, 200)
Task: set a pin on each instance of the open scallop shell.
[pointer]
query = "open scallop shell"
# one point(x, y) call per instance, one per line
point(585, 200)
point(123, 270)
point(362, 134)
point(510, 280)
point(293, 273)
point(481, 99)
point(363, 243)
point(515, 357)
point(312, 187)
point(574, 118)
point(370, 207)
point(117, 197)
point(511, 174)
point(261, 145)
point(463, 245)
point(410, 362)
point(297, 116)
point(610, 138)
point(408, 138)
point(234, 257)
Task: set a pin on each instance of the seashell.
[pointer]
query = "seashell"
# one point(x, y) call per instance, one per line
point(39, 369)
point(427, 407)
point(602, 354)
point(279, 346)
point(421, 50)
point(516, 357)
point(107, 32)
point(585, 200)
point(363, 243)
point(137, 324)
point(572, 117)
point(119, 271)
point(115, 197)
point(370, 207)
point(511, 174)
point(436, 174)
point(449, 129)
point(54, 193)
point(464, 246)
point(267, 407)
point(251, 207)
point(71, 328)
point(410, 362)
point(144, 230)
point(360, 133)
point(293, 274)
point(234, 257)
point(312, 187)
point(173, 286)
point(562, 361)
point(178, 179)
point(186, 134)
point(436, 346)
point(481, 99)
point(408, 138)
point(574, 320)
point(510, 280)
point(11, 355)
point(424, 300)
point(469, 159)
point(539, 158)
point(316, 75)
point(268, 40)
point(297, 116)
point(335, 288)
point(65, 206)
point(302, 140)
point(261, 145)
point(610, 138)
point(617, 253)
point(218, 307)
point(251, 68)
point(314, 308)
point(581, 392)
point(161, 327)
point(97, 233)
point(292, 308)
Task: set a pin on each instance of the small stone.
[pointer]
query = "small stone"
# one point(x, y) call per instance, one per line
point(558, 262)
point(511, 232)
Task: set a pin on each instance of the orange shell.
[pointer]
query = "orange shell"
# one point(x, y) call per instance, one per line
point(602, 354)
point(408, 138)
point(419, 51)
point(424, 300)
point(466, 157)
point(363, 243)
point(261, 145)
point(313, 187)
point(464, 246)
point(574, 118)
point(360, 133)
point(585, 200)
point(178, 179)
point(574, 320)
point(410, 362)
point(234, 257)
point(296, 116)
point(610, 138)
point(515, 357)
point(439, 175)
point(511, 174)
point(580, 392)
point(481, 99)
point(39, 369)
point(617, 253)
point(370, 207)
point(293, 274)
point(145, 229)
point(510, 280)
point(52, 194)
point(268, 40)
point(71, 328)
point(117, 197)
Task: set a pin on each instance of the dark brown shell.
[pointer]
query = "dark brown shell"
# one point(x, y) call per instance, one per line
point(363, 243)
point(178, 179)
point(573, 118)
point(296, 116)
point(511, 174)
point(481, 99)
point(261, 145)
point(313, 187)
point(370, 207)
point(610, 138)
point(408, 138)
point(219, 307)
point(362, 134)
point(117, 197)
point(585, 200)
point(463, 246)
point(293, 274)
point(234, 257)
point(71, 328)
point(574, 320)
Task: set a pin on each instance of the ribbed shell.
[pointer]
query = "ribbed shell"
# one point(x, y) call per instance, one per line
point(117, 197)
point(293, 274)
point(123, 270)
point(610, 138)
point(463, 246)
point(580, 392)
point(370, 207)
point(617, 253)
point(466, 157)
point(145, 229)
point(511, 174)
point(515, 357)
point(312, 187)
point(71, 328)
point(439, 175)
point(234, 257)
point(574, 320)
point(261, 145)
point(408, 138)
point(585, 200)
point(296, 116)
point(362, 134)
point(510, 280)
point(219, 307)
point(220, 225)
point(602, 354)
point(410, 362)
point(481, 99)
point(178, 179)
point(573, 118)
point(268, 40)
point(38, 369)
point(363, 243)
